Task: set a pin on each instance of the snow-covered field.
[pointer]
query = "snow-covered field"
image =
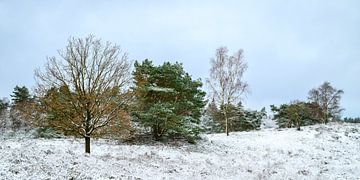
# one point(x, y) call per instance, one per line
point(318, 152)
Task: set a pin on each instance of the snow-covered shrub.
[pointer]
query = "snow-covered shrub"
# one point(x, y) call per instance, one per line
point(47, 133)
point(267, 123)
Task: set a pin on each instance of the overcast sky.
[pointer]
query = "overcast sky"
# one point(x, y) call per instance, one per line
point(291, 46)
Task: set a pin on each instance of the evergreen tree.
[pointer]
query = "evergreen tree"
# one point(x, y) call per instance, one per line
point(22, 107)
point(211, 120)
point(168, 100)
point(351, 120)
point(248, 120)
point(296, 114)
point(20, 95)
point(4, 104)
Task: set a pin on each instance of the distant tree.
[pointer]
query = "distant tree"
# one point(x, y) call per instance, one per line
point(351, 120)
point(82, 90)
point(20, 95)
point(328, 98)
point(239, 118)
point(4, 104)
point(22, 106)
point(226, 80)
point(169, 102)
point(296, 114)
point(248, 119)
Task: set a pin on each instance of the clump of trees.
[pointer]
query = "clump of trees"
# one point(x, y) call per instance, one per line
point(15, 114)
point(89, 90)
point(323, 106)
point(239, 119)
point(225, 112)
point(296, 114)
point(168, 101)
point(352, 120)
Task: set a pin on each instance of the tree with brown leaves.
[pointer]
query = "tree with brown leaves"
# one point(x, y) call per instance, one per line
point(82, 90)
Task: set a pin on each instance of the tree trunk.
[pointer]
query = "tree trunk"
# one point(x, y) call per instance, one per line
point(326, 115)
point(157, 132)
point(298, 125)
point(226, 121)
point(87, 129)
point(326, 118)
point(227, 127)
point(87, 144)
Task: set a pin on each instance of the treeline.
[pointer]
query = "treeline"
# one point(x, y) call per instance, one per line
point(323, 106)
point(352, 120)
point(92, 90)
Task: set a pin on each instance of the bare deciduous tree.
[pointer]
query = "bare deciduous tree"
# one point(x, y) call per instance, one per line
point(226, 80)
point(328, 98)
point(83, 87)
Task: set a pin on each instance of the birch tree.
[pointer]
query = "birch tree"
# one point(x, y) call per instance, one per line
point(81, 89)
point(328, 98)
point(226, 80)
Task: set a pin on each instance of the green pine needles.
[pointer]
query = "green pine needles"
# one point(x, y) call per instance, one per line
point(168, 101)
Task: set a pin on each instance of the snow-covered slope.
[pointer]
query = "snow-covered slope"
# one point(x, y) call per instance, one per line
point(317, 152)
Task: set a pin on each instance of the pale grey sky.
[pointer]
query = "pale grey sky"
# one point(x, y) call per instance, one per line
point(291, 46)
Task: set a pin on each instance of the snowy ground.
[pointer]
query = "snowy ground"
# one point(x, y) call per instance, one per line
point(317, 152)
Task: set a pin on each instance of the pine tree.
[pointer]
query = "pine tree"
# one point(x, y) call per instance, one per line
point(211, 122)
point(351, 120)
point(4, 104)
point(21, 108)
point(248, 119)
point(297, 114)
point(168, 100)
point(20, 95)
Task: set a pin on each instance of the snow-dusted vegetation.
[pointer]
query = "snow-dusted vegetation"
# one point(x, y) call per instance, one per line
point(156, 123)
point(317, 152)
point(179, 90)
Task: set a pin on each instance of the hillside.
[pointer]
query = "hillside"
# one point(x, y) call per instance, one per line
point(316, 152)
